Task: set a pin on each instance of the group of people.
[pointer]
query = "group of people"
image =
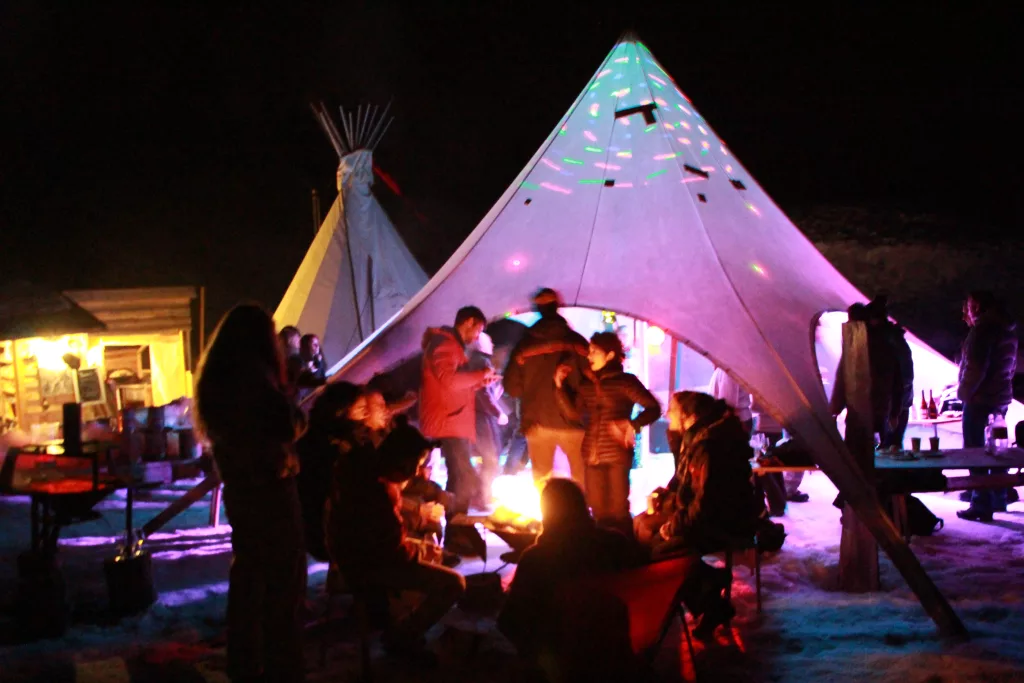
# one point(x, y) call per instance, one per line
point(349, 483)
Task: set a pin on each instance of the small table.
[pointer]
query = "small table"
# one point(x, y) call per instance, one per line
point(941, 420)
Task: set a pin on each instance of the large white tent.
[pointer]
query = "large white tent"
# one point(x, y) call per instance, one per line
point(634, 204)
point(357, 273)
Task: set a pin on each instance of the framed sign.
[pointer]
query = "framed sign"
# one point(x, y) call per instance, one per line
point(90, 386)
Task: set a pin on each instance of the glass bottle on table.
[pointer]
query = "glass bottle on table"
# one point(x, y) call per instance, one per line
point(924, 407)
point(933, 410)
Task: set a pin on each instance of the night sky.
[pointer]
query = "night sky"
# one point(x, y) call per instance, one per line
point(150, 147)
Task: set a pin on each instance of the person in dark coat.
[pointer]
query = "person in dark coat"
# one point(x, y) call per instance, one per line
point(988, 362)
point(571, 546)
point(549, 343)
point(329, 422)
point(604, 405)
point(315, 370)
point(902, 397)
point(291, 348)
point(887, 389)
point(713, 502)
point(366, 535)
point(245, 412)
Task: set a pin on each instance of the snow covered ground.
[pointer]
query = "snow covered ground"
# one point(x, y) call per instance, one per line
point(807, 631)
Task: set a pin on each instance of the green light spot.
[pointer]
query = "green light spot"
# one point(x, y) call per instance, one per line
point(651, 127)
point(593, 149)
point(596, 83)
point(657, 85)
point(590, 181)
point(574, 162)
point(530, 186)
point(656, 173)
point(703, 152)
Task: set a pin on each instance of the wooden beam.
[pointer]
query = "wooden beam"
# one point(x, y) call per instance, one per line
point(858, 550)
point(866, 508)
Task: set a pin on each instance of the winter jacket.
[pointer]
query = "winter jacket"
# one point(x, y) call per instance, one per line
point(601, 403)
point(988, 362)
point(363, 521)
point(714, 496)
point(550, 342)
point(905, 364)
point(529, 617)
point(253, 427)
point(887, 388)
point(448, 388)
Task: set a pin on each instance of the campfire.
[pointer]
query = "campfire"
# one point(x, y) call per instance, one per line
point(516, 518)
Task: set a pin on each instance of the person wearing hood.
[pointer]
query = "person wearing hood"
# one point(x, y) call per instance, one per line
point(713, 502)
point(604, 405)
point(489, 418)
point(988, 362)
point(549, 343)
point(448, 400)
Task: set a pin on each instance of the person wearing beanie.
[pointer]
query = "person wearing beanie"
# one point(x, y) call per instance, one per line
point(549, 343)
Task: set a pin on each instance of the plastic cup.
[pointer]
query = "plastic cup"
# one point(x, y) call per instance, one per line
point(933, 441)
point(915, 443)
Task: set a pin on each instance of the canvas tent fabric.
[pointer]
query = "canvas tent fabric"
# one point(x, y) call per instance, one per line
point(357, 274)
point(635, 204)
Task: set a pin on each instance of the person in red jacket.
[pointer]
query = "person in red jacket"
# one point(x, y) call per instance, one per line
point(448, 400)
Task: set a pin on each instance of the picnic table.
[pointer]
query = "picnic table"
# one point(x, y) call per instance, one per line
point(64, 487)
point(904, 472)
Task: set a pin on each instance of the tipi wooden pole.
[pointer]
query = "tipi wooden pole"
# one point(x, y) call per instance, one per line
point(858, 550)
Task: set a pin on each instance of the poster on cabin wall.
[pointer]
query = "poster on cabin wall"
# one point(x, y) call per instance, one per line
point(56, 383)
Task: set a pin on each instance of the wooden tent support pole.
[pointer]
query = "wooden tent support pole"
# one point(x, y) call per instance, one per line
point(858, 550)
point(195, 494)
point(863, 505)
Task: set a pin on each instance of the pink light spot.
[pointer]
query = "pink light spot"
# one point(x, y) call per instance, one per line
point(604, 73)
point(728, 169)
point(685, 125)
point(516, 262)
point(623, 184)
point(705, 144)
point(691, 179)
point(555, 188)
point(701, 129)
point(551, 164)
point(661, 102)
point(610, 167)
point(724, 150)
point(594, 108)
point(685, 141)
point(709, 169)
point(669, 126)
point(656, 79)
point(662, 157)
point(622, 60)
point(624, 155)
point(624, 122)
point(590, 136)
point(753, 210)
point(645, 102)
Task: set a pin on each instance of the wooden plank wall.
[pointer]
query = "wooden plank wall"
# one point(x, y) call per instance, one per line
point(142, 310)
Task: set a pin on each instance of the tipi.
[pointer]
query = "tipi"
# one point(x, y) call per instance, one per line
point(634, 204)
point(357, 273)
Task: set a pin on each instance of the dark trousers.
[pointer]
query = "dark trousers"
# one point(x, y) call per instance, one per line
point(973, 424)
point(608, 496)
point(488, 447)
point(463, 481)
point(895, 437)
point(267, 584)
